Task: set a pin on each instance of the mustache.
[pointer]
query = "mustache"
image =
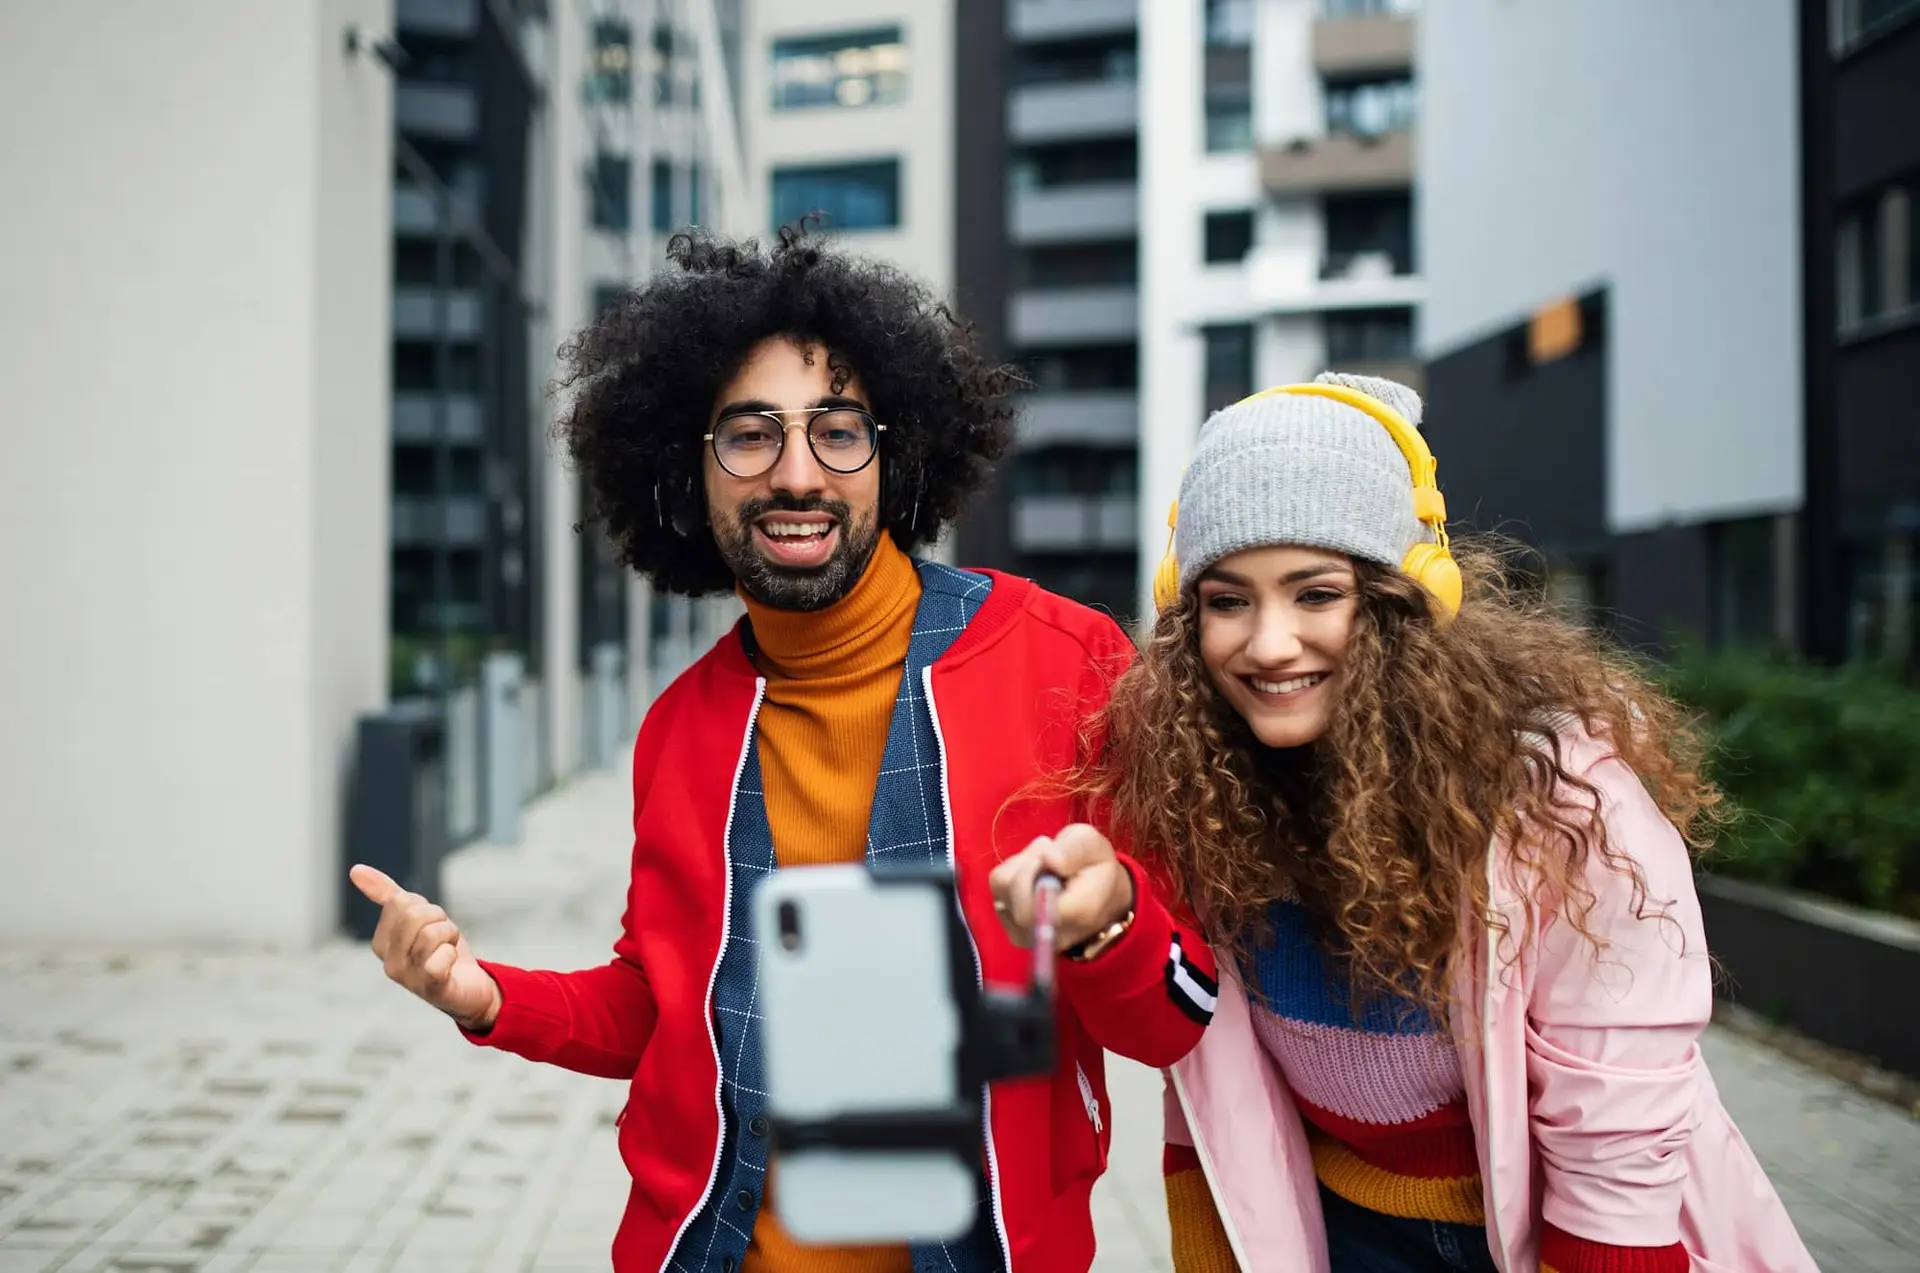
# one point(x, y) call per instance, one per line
point(753, 509)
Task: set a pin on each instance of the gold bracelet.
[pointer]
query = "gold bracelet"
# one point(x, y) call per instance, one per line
point(1083, 951)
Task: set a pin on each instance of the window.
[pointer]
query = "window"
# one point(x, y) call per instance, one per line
point(1092, 367)
point(1078, 265)
point(1075, 163)
point(610, 65)
point(606, 296)
point(851, 68)
point(1741, 560)
point(1368, 235)
point(612, 193)
point(1075, 470)
point(1369, 335)
point(1229, 236)
point(676, 190)
point(1368, 8)
point(1370, 107)
point(1229, 364)
point(1228, 100)
point(1878, 266)
point(1858, 22)
point(1082, 61)
point(1229, 23)
point(857, 196)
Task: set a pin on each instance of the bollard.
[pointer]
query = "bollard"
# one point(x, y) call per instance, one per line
point(502, 736)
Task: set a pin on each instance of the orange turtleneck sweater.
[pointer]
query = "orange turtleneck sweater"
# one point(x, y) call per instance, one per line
point(832, 677)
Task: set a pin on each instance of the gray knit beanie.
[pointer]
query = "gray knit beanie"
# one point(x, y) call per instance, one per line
point(1293, 468)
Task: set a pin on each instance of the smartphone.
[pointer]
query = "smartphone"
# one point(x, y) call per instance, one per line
point(867, 984)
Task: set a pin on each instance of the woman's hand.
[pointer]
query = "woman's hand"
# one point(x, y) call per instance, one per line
point(1097, 890)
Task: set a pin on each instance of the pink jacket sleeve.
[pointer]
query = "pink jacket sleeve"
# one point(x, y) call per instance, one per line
point(1613, 1060)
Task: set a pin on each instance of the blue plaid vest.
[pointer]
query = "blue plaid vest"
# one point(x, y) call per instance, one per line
point(908, 825)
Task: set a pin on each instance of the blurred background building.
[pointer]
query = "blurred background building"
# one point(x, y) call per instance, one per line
point(277, 447)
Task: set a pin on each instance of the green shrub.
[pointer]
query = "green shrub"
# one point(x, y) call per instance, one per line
point(1825, 766)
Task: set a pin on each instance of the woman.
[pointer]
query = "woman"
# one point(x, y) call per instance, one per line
point(1439, 840)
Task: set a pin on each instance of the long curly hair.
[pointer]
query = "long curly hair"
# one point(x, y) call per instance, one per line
point(1442, 740)
point(639, 384)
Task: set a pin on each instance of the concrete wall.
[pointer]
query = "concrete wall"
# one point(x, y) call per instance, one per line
point(919, 131)
point(193, 463)
point(1652, 149)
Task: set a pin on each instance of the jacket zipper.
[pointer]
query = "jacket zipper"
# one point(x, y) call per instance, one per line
point(726, 925)
point(1491, 1185)
point(979, 976)
point(1088, 1099)
point(1208, 1171)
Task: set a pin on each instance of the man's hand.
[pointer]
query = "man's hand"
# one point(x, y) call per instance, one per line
point(423, 950)
point(1098, 891)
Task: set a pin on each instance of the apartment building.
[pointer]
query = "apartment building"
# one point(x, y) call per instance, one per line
point(1672, 328)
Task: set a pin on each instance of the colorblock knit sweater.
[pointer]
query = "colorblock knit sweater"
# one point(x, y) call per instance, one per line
point(1385, 1109)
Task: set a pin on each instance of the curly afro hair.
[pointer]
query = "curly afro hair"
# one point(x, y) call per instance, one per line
point(641, 382)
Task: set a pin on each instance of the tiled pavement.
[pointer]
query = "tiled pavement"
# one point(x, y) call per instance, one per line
point(294, 1113)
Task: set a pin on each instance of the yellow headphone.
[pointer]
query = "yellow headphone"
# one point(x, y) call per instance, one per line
point(1430, 564)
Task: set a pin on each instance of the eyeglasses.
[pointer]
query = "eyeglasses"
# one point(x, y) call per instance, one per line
point(750, 443)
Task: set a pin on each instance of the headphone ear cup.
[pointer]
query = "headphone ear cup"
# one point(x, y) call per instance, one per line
point(1166, 582)
point(1434, 569)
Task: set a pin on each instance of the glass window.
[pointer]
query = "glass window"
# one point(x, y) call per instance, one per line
point(1229, 364)
point(1229, 118)
point(850, 68)
point(1229, 236)
point(857, 196)
point(1075, 163)
point(1092, 367)
point(1229, 22)
point(1367, 8)
point(1370, 106)
point(610, 65)
point(1090, 60)
point(675, 189)
point(613, 193)
point(1368, 233)
point(1877, 258)
point(1078, 265)
point(1857, 21)
point(1369, 335)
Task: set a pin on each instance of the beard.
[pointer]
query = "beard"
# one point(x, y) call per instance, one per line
point(784, 587)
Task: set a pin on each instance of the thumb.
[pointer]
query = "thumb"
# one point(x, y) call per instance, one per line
point(377, 886)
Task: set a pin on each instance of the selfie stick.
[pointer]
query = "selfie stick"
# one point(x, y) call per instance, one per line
point(1046, 910)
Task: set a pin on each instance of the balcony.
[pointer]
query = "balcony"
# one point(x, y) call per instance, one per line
point(1081, 417)
point(1285, 281)
point(1074, 523)
point(1061, 19)
point(454, 19)
point(1370, 44)
point(416, 314)
point(1339, 163)
point(415, 418)
point(448, 112)
point(1075, 315)
point(1067, 112)
point(418, 522)
point(1075, 213)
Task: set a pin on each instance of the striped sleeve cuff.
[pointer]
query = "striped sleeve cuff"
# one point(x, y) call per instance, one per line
point(1562, 1252)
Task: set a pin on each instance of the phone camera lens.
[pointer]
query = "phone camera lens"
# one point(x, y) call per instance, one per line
point(789, 920)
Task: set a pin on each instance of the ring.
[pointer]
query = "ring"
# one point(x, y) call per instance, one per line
point(1001, 906)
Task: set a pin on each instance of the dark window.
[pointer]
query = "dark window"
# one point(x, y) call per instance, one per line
point(847, 68)
point(1369, 335)
point(1367, 8)
point(1078, 265)
point(1229, 23)
point(675, 190)
point(1364, 229)
point(606, 296)
point(1857, 22)
point(860, 196)
point(1741, 556)
point(673, 68)
point(1229, 364)
point(610, 68)
point(1229, 236)
point(1075, 163)
point(613, 193)
point(1075, 470)
point(1077, 61)
point(1370, 107)
point(1092, 367)
point(1877, 266)
point(1228, 99)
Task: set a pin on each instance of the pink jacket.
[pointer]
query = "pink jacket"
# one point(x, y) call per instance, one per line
point(1591, 1104)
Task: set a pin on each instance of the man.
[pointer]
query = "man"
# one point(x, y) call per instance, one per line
point(786, 423)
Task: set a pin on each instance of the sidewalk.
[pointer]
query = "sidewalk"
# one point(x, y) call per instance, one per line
point(295, 1113)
